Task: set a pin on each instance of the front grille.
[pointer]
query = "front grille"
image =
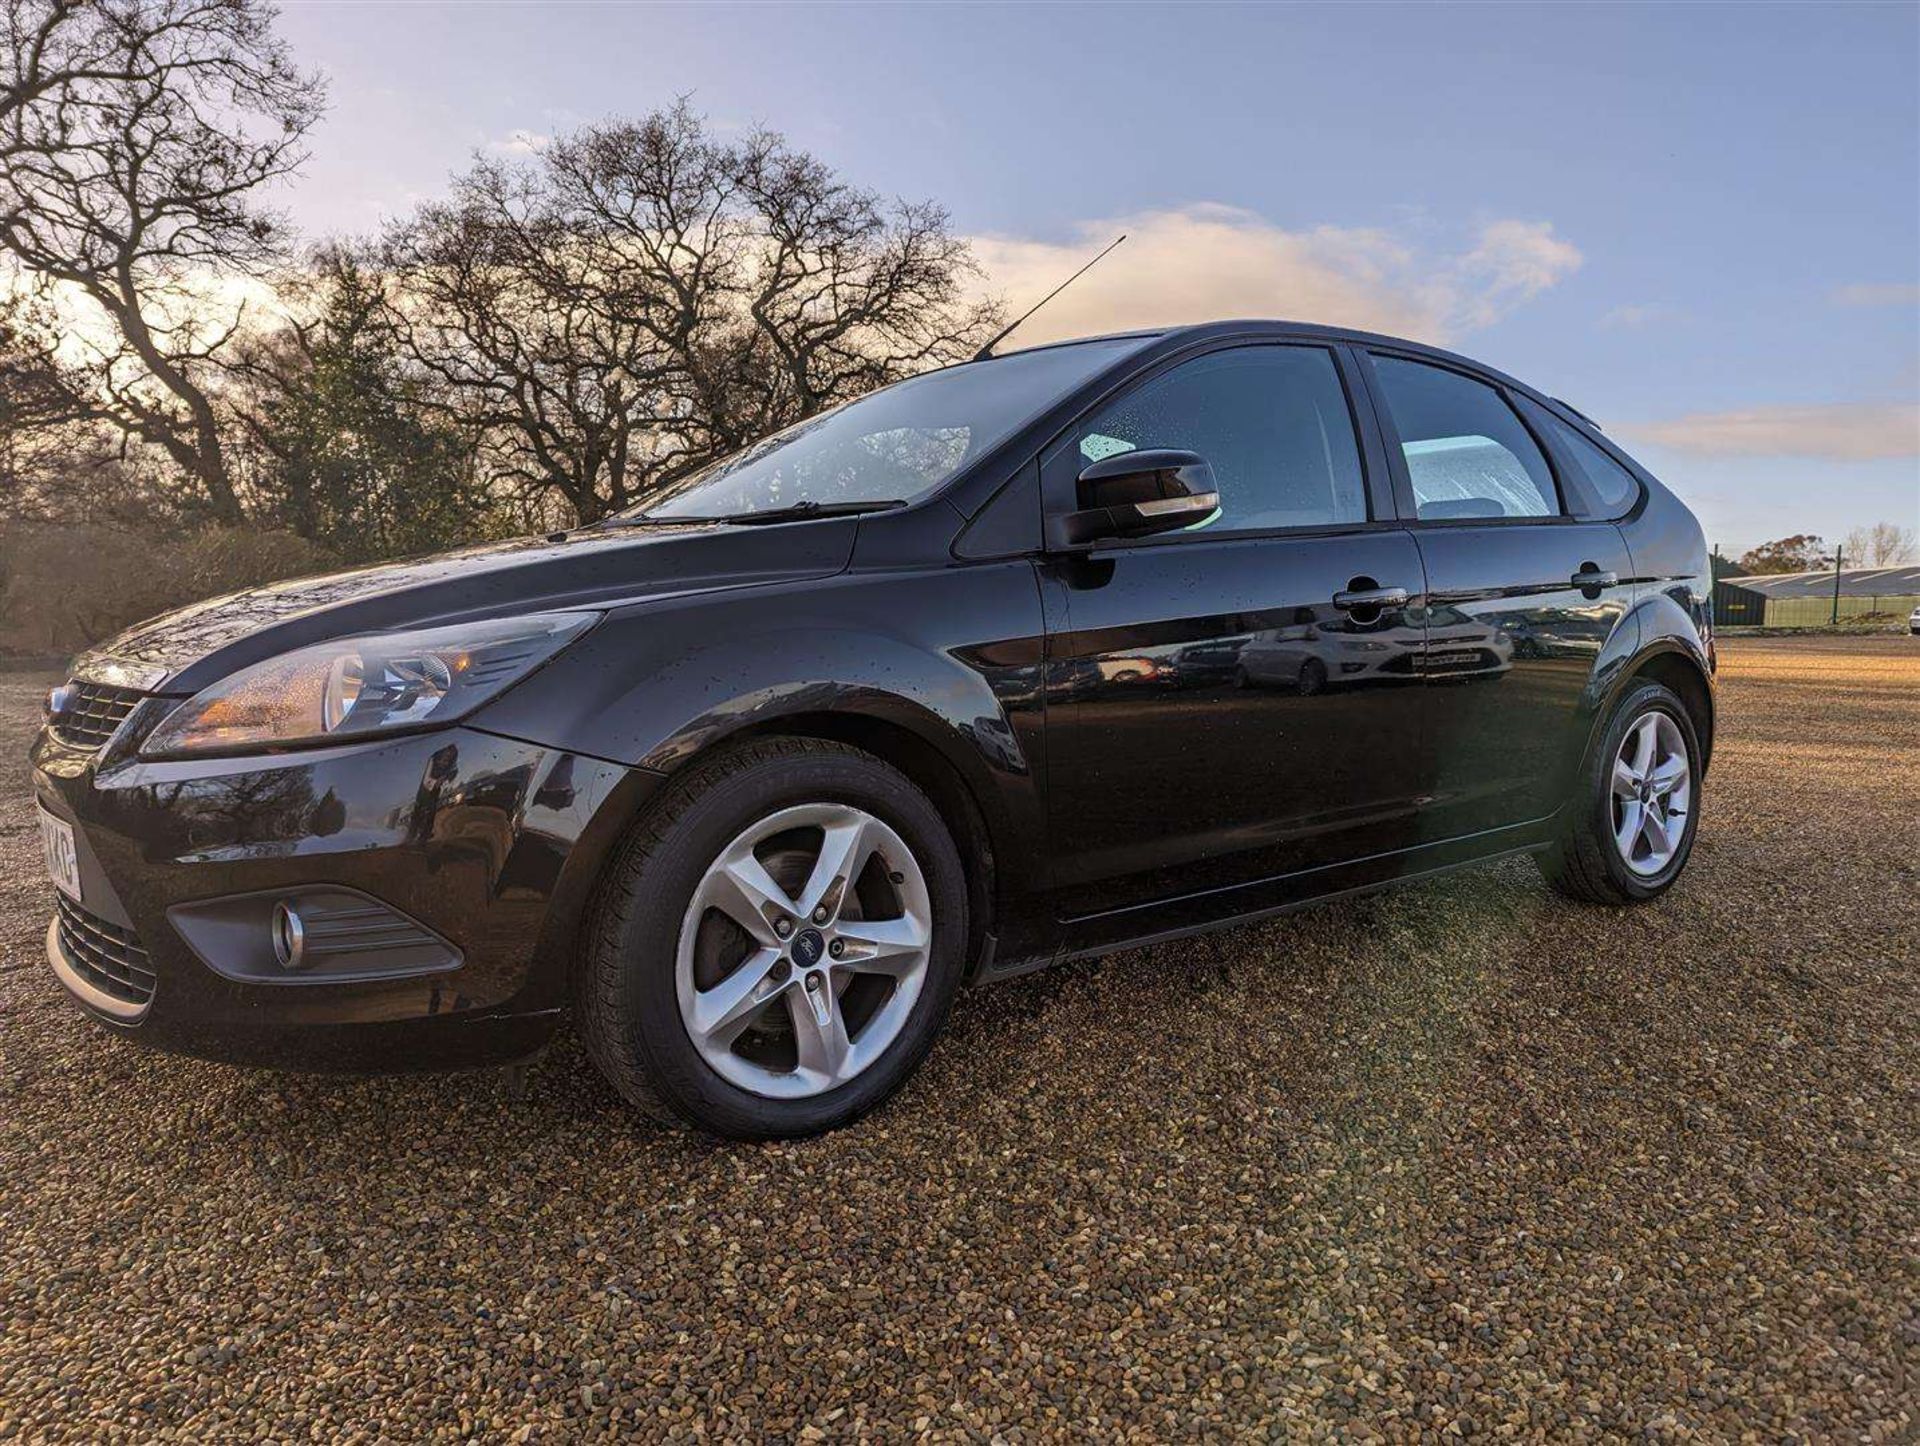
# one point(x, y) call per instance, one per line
point(94, 713)
point(108, 957)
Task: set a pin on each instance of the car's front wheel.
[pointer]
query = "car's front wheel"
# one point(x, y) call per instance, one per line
point(776, 944)
point(1627, 832)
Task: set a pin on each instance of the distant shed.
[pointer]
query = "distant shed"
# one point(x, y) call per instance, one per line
point(1803, 599)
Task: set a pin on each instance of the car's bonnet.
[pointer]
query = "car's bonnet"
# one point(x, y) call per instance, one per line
point(184, 650)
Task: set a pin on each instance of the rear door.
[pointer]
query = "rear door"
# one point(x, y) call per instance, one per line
point(1522, 596)
point(1220, 712)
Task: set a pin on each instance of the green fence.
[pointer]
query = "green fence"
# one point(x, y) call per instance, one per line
point(1817, 612)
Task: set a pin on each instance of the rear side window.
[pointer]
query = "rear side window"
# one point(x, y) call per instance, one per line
point(1468, 453)
point(1272, 422)
point(1612, 486)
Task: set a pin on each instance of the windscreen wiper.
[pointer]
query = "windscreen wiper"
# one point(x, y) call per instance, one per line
point(643, 519)
point(808, 508)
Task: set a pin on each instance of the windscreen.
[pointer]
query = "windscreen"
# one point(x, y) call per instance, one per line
point(893, 445)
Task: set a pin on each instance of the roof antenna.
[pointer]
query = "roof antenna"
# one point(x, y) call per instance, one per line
point(1007, 331)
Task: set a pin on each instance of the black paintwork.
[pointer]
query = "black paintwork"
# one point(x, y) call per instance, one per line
point(1132, 739)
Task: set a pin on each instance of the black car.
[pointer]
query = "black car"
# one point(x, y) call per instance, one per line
point(943, 685)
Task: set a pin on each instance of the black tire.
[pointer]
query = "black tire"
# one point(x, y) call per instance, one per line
point(1583, 862)
point(625, 1002)
point(1313, 678)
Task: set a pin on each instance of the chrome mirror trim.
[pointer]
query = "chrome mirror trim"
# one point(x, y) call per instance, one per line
point(1167, 506)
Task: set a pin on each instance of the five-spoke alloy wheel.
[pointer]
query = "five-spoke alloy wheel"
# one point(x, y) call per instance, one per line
point(776, 943)
point(1652, 793)
point(803, 950)
point(1625, 835)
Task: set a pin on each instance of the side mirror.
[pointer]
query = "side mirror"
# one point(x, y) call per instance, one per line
point(1136, 494)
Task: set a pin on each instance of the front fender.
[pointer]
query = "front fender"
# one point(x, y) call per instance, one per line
point(951, 656)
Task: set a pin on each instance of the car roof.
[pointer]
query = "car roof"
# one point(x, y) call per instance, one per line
point(1173, 338)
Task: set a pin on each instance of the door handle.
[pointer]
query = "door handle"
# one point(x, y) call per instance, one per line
point(1595, 579)
point(1372, 597)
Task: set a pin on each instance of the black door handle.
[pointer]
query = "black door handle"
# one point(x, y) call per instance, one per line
point(1595, 579)
point(1372, 597)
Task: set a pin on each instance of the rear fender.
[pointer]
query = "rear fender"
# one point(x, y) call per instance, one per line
point(1666, 644)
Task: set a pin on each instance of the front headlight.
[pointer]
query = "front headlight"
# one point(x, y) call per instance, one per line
point(373, 683)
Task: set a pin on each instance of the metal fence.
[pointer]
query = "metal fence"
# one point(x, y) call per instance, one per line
point(1735, 607)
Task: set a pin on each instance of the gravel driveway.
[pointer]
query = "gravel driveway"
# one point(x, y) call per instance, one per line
point(1461, 1158)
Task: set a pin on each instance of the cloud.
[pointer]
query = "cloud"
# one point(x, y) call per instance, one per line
point(1632, 318)
point(1207, 262)
point(1835, 432)
point(1513, 262)
point(519, 143)
point(1877, 293)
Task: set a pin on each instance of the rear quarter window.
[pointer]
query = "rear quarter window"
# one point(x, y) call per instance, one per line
point(1611, 486)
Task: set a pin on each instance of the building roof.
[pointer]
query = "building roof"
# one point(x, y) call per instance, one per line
point(1854, 582)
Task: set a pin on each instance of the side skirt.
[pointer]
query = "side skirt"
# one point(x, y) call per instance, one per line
point(1183, 918)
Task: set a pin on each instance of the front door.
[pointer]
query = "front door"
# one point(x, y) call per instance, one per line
point(1522, 598)
point(1221, 709)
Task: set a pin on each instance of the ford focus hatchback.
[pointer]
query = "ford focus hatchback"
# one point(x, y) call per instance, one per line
point(1038, 656)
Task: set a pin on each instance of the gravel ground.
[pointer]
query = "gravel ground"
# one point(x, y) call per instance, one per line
point(1459, 1159)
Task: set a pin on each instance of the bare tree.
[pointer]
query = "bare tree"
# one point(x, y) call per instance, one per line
point(38, 409)
point(504, 305)
point(37, 388)
point(643, 298)
point(57, 461)
point(1885, 544)
point(135, 139)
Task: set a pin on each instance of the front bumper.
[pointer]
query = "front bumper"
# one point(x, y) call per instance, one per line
point(491, 844)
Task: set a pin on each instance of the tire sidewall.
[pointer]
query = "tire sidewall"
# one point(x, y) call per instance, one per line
point(1644, 699)
point(642, 950)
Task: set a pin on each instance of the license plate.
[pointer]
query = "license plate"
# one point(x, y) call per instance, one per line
point(63, 860)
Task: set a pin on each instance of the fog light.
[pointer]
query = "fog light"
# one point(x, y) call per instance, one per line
point(289, 938)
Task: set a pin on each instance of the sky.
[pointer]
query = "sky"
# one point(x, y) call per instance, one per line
point(1699, 224)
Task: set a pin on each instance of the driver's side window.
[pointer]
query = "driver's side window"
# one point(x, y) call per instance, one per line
point(1272, 422)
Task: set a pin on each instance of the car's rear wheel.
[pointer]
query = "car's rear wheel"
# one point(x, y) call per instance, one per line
point(1629, 830)
point(776, 944)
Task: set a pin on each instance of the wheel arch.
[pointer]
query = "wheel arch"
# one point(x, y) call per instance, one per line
point(1674, 668)
point(1666, 659)
point(930, 770)
point(985, 833)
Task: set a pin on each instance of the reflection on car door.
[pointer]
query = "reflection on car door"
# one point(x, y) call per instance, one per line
point(1215, 718)
point(1498, 737)
point(1522, 597)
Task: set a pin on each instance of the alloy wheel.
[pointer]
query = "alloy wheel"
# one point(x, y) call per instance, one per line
point(1652, 794)
point(803, 950)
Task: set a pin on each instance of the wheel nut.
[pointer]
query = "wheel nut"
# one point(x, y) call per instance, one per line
point(820, 915)
point(783, 927)
point(837, 948)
